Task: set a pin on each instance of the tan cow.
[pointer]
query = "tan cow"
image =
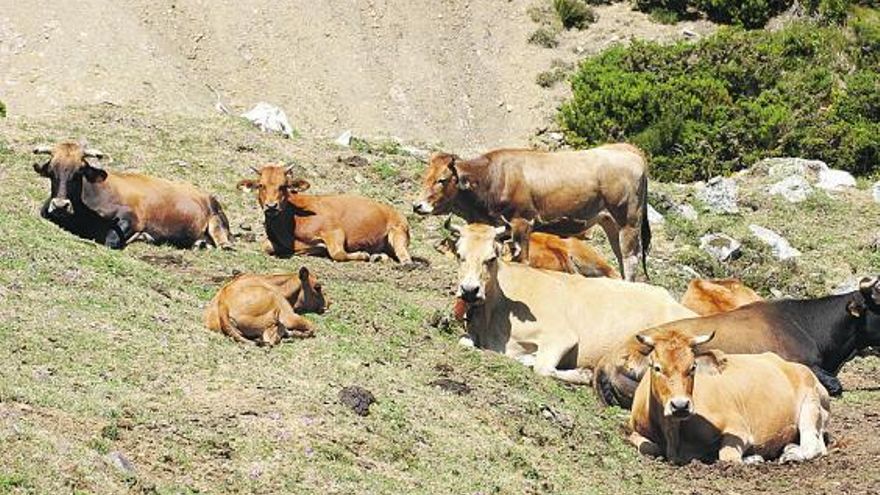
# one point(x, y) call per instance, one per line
point(567, 321)
point(266, 308)
point(709, 296)
point(706, 405)
point(569, 190)
point(551, 252)
point(344, 227)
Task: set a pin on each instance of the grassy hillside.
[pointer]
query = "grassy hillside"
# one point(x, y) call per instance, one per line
point(103, 353)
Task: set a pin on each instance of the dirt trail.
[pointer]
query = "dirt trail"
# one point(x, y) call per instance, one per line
point(458, 73)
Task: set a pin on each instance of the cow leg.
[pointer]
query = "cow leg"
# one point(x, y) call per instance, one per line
point(550, 354)
point(398, 238)
point(218, 232)
point(630, 245)
point(577, 376)
point(294, 325)
point(271, 335)
point(644, 445)
point(612, 232)
point(812, 419)
point(335, 244)
point(118, 233)
point(829, 381)
point(733, 446)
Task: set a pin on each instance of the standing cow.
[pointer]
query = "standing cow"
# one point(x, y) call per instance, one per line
point(571, 190)
point(115, 208)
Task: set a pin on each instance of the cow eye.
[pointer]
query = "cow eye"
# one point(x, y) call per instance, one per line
point(318, 287)
point(693, 369)
point(442, 181)
point(656, 368)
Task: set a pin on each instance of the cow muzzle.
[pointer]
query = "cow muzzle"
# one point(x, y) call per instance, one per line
point(271, 209)
point(423, 208)
point(679, 408)
point(471, 294)
point(60, 206)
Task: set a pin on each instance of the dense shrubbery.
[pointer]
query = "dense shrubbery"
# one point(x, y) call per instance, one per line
point(748, 13)
point(728, 100)
point(574, 13)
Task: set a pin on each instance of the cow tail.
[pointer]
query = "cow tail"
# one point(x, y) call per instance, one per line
point(645, 237)
point(604, 387)
point(216, 209)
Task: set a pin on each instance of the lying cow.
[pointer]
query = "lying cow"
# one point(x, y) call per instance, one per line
point(710, 405)
point(572, 190)
point(568, 321)
point(115, 208)
point(347, 228)
point(822, 334)
point(266, 308)
point(709, 296)
point(551, 252)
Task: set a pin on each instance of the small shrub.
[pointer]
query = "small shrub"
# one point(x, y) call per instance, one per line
point(559, 70)
point(544, 36)
point(748, 13)
point(2, 109)
point(574, 14)
point(665, 16)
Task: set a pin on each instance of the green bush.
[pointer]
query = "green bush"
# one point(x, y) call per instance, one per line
point(722, 103)
point(2, 109)
point(544, 36)
point(574, 13)
point(748, 13)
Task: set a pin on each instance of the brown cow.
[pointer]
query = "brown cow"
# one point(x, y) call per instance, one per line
point(709, 296)
point(346, 227)
point(571, 190)
point(708, 405)
point(551, 252)
point(822, 334)
point(266, 308)
point(117, 207)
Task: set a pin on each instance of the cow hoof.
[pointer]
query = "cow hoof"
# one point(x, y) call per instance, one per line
point(376, 258)
point(792, 453)
point(527, 360)
point(466, 341)
point(753, 459)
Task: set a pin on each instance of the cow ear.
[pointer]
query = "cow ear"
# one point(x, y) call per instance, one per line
point(247, 185)
point(298, 185)
point(94, 172)
point(304, 274)
point(466, 182)
point(42, 169)
point(855, 308)
point(710, 362)
point(646, 341)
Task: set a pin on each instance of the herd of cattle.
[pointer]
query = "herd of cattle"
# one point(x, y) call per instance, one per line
point(722, 374)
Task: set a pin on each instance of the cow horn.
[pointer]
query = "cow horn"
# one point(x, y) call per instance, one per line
point(43, 150)
point(448, 225)
point(867, 284)
point(255, 169)
point(289, 168)
point(500, 230)
point(702, 339)
point(93, 153)
point(645, 340)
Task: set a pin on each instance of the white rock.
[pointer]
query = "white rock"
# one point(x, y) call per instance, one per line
point(120, 462)
point(654, 216)
point(848, 285)
point(344, 139)
point(269, 118)
point(719, 194)
point(416, 152)
point(780, 168)
point(556, 136)
point(876, 192)
point(832, 179)
point(793, 188)
point(685, 211)
point(721, 246)
point(782, 250)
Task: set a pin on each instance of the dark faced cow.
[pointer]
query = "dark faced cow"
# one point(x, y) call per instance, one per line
point(116, 208)
point(568, 191)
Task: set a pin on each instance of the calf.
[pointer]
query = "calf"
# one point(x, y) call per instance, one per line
point(567, 321)
point(551, 252)
point(345, 227)
point(115, 208)
point(571, 190)
point(266, 308)
point(708, 405)
point(707, 297)
point(822, 334)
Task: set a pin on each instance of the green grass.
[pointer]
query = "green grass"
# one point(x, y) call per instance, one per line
point(104, 351)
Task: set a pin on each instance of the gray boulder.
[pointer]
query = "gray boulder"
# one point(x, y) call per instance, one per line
point(269, 118)
point(685, 211)
point(793, 188)
point(722, 247)
point(780, 247)
point(835, 180)
point(654, 216)
point(876, 192)
point(719, 194)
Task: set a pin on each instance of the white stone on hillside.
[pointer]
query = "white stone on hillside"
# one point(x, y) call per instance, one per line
point(719, 194)
point(722, 247)
point(876, 192)
point(835, 180)
point(344, 139)
point(685, 211)
point(780, 168)
point(654, 216)
point(793, 188)
point(782, 250)
point(269, 118)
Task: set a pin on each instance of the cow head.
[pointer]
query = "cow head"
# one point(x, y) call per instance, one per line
point(68, 164)
point(478, 250)
point(439, 187)
point(868, 307)
point(673, 362)
point(273, 186)
point(311, 297)
point(520, 231)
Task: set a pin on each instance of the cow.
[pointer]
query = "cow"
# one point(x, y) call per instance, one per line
point(115, 208)
point(345, 227)
point(266, 308)
point(822, 334)
point(569, 191)
point(709, 296)
point(707, 405)
point(565, 322)
point(551, 252)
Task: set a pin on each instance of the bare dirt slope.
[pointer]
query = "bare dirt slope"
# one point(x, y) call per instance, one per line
point(455, 72)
